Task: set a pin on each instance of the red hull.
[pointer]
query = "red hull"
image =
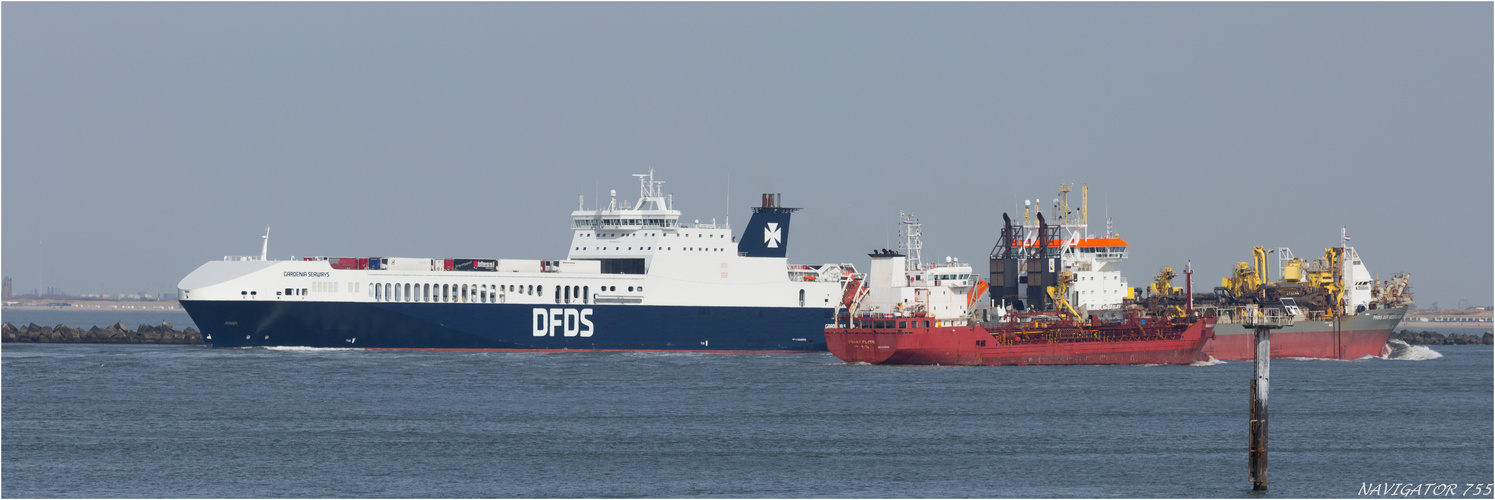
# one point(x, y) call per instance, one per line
point(1347, 338)
point(1348, 345)
point(973, 345)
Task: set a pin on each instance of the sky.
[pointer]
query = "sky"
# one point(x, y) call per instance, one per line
point(141, 140)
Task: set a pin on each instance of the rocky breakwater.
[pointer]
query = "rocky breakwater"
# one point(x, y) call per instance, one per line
point(117, 333)
point(1435, 338)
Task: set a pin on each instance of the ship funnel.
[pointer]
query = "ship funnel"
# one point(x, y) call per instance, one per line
point(767, 232)
point(1004, 275)
point(1042, 268)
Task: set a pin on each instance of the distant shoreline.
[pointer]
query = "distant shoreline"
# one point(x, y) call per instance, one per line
point(91, 305)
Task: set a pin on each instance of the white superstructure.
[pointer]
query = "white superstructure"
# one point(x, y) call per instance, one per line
point(898, 284)
point(1089, 267)
point(619, 254)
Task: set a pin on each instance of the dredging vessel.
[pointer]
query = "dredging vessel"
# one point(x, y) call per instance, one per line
point(636, 277)
point(908, 312)
point(1339, 309)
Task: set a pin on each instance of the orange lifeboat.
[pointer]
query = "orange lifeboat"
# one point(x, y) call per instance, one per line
point(852, 289)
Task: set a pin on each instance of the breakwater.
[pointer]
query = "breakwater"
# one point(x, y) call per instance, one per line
point(117, 333)
point(1435, 338)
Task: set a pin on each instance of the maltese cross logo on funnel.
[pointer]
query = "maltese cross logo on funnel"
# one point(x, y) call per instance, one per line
point(771, 235)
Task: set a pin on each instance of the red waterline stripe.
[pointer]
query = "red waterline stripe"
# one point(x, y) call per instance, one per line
point(547, 351)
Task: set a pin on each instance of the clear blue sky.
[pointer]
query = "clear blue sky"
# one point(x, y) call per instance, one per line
point(142, 139)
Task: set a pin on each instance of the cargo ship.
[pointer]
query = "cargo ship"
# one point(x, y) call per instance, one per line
point(908, 312)
point(1339, 309)
point(636, 278)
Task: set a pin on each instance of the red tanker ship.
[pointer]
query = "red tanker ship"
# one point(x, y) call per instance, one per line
point(911, 313)
point(1060, 342)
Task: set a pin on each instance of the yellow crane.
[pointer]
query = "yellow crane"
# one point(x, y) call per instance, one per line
point(1163, 283)
point(1248, 277)
point(1060, 293)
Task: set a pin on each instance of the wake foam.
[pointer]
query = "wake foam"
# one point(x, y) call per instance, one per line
point(1401, 351)
point(1212, 361)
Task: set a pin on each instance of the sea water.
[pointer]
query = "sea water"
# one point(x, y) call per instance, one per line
point(188, 421)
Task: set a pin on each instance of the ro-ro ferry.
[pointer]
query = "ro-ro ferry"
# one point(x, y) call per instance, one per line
point(635, 278)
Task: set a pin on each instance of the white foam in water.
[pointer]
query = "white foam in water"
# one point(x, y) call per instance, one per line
point(1400, 351)
point(1212, 361)
point(1321, 359)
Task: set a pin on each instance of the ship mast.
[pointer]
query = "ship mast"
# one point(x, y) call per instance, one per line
point(912, 245)
point(265, 249)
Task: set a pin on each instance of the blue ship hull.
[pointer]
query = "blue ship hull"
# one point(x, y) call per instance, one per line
point(378, 325)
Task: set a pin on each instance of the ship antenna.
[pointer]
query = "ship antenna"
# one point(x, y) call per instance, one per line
point(729, 200)
point(1108, 216)
point(265, 249)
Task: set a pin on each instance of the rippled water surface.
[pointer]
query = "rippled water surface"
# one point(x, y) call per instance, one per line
point(187, 421)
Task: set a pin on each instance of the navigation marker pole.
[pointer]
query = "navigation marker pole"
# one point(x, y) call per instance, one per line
point(1263, 321)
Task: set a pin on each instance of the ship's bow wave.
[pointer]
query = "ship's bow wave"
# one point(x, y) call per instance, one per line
point(1401, 351)
point(1212, 361)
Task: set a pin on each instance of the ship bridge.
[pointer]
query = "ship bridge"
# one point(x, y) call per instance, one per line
point(652, 210)
point(626, 237)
